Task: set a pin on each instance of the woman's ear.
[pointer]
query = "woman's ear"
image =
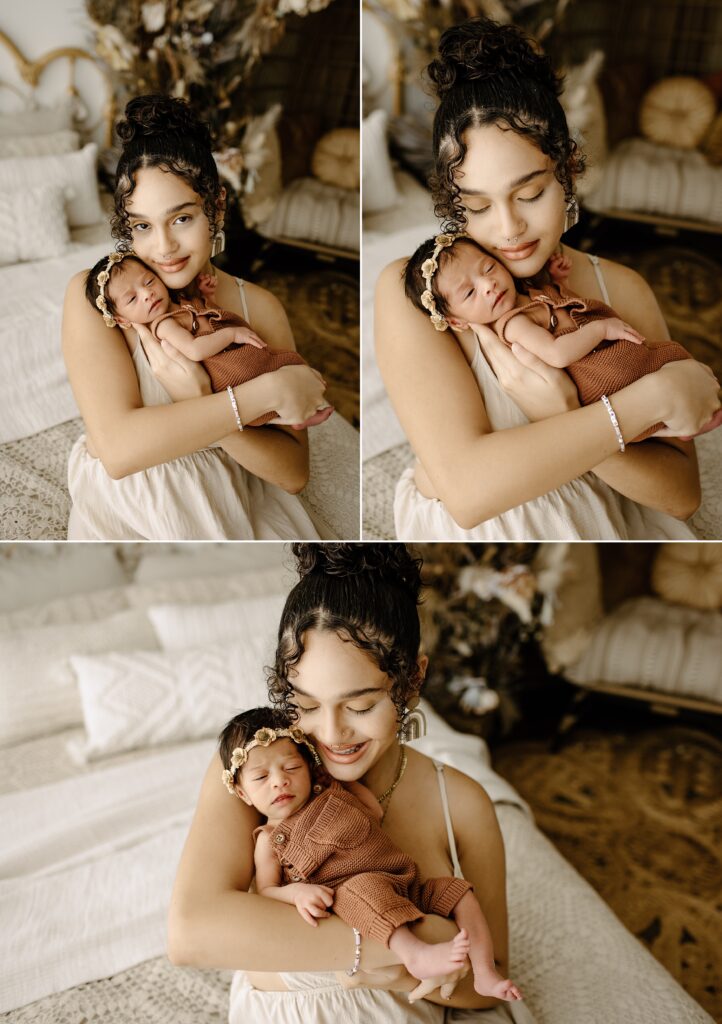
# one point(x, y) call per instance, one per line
point(221, 201)
point(422, 663)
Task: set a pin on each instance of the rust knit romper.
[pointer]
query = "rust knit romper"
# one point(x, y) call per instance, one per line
point(613, 364)
point(236, 364)
point(335, 841)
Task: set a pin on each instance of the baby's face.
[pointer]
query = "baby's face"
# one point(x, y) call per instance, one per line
point(276, 780)
point(138, 294)
point(477, 287)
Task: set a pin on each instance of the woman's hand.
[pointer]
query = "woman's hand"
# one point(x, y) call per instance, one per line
point(539, 390)
point(181, 377)
point(690, 397)
point(295, 392)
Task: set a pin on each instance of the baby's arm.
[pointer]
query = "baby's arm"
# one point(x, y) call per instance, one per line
point(562, 351)
point(207, 345)
point(309, 900)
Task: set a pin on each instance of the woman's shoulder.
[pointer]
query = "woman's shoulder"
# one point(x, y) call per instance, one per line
point(76, 285)
point(630, 295)
point(463, 791)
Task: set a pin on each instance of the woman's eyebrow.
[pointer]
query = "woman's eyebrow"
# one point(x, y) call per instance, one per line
point(171, 210)
point(345, 696)
point(524, 180)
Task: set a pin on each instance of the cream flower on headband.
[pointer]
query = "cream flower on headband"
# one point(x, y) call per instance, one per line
point(428, 269)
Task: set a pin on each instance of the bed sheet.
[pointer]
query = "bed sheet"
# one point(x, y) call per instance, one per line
point(34, 390)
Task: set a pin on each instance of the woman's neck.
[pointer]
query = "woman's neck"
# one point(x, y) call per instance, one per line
point(381, 775)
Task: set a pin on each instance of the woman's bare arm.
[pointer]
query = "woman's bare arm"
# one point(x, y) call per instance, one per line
point(660, 472)
point(274, 453)
point(439, 405)
point(215, 922)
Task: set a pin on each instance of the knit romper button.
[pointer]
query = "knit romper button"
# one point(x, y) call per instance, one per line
point(280, 838)
point(295, 878)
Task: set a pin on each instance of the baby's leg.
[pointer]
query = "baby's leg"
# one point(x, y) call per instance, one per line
point(487, 980)
point(423, 960)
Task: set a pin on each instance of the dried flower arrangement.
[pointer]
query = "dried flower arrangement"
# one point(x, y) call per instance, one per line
point(483, 611)
point(203, 51)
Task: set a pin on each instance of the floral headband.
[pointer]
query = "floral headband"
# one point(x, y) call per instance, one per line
point(103, 277)
point(428, 269)
point(264, 738)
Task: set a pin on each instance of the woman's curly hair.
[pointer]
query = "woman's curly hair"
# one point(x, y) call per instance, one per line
point(367, 594)
point(486, 74)
point(161, 131)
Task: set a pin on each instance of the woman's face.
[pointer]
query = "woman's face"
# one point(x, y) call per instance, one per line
point(514, 204)
point(344, 704)
point(168, 227)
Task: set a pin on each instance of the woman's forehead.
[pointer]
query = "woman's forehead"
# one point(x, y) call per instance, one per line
point(159, 193)
point(332, 668)
point(498, 160)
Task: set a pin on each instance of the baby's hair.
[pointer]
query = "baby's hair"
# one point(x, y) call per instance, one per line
point(92, 285)
point(414, 283)
point(242, 727)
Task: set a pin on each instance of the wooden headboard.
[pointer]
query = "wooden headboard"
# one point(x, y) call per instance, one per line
point(30, 72)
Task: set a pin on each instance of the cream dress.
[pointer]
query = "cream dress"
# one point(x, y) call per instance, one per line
point(202, 496)
point(319, 999)
point(583, 509)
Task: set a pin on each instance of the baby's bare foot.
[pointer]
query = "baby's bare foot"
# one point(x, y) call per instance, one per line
point(488, 983)
point(429, 961)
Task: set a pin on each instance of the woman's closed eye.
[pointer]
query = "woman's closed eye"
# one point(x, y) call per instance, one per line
point(531, 199)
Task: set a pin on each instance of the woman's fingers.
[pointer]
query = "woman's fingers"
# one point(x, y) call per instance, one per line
point(529, 360)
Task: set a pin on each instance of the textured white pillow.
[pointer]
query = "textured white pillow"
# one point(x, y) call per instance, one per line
point(141, 699)
point(378, 185)
point(253, 620)
point(33, 224)
point(75, 171)
point(648, 643)
point(33, 573)
point(209, 589)
point(39, 145)
point(37, 121)
point(38, 691)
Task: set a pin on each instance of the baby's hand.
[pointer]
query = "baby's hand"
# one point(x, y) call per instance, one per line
point(207, 284)
point(245, 336)
point(559, 266)
point(614, 329)
point(312, 901)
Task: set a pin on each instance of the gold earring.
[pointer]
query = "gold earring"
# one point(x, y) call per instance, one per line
point(219, 243)
point(571, 217)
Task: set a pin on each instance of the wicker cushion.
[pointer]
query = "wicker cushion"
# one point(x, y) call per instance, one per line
point(335, 159)
point(677, 112)
point(689, 574)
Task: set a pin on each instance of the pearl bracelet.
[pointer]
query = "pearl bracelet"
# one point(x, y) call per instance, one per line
point(615, 423)
point(356, 954)
point(234, 403)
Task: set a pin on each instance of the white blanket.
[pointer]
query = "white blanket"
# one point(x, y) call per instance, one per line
point(88, 863)
point(34, 389)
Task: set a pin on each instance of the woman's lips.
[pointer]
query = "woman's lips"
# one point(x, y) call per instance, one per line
point(173, 266)
point(519, 252)
point(337, 756)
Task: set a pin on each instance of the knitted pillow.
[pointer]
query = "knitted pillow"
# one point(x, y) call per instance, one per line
point(73, 171)
point(335, 159)
point(39, 145)
point(33, 224)
point(677, 112)
point(689, 574)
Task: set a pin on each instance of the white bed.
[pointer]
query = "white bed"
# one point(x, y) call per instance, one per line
point(39, 419)
point(90, 849)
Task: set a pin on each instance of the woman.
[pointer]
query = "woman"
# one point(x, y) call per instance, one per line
point(348, 666)
point(505, 170)
point(162, 457)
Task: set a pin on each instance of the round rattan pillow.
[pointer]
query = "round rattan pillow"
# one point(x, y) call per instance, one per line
point(677, 112)
point(336, 157)
point(689, 574)
point(712, 145)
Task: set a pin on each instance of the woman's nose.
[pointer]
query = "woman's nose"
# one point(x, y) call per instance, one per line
point(510, 224)
point(332, 730)
point(166, 243)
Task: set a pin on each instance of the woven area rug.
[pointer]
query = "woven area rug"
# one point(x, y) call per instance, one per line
point(323, 308)
point(640, 817)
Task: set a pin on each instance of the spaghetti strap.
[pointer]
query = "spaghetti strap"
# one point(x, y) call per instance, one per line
point(244, 303)
point(447, 818)
point(594, 260)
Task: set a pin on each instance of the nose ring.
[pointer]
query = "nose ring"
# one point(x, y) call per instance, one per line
point(513, 241)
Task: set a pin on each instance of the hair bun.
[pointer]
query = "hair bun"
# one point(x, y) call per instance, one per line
point(481, 49)
point(390, 562)
point(156, 114)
